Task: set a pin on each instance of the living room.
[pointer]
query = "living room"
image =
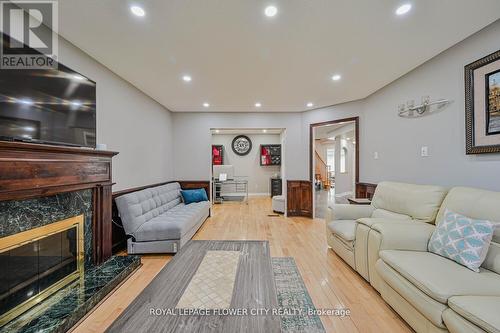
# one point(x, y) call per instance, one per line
point(116, 215)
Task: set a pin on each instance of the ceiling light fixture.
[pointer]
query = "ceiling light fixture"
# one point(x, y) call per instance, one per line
point(258, 105)
point(271, 11)
point(186, 78)
point(137, 11)
point(206, 105)
point(26, 101)
point(403, 9)
point(336, 77)
point(217, 131)
point(310, 104)
point(264, 131)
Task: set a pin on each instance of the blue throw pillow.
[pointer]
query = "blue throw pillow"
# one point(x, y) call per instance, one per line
point(462, 239)
point(190, 196)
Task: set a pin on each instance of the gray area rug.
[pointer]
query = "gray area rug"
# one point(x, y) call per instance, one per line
point(292, 294)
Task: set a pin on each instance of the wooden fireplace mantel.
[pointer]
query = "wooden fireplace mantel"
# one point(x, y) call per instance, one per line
point(35, 170)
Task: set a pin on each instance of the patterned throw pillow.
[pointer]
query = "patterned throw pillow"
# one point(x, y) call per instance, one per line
point(462, 239)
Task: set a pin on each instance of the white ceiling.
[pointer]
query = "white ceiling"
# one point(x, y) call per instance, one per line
point(237, 56)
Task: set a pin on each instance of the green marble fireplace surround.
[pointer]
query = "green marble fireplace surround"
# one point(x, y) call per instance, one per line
point(64, 308)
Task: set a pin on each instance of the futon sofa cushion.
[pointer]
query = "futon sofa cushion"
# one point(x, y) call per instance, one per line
point(482, 311)
point(441, 278)
point(139, 207)
point(173, 224)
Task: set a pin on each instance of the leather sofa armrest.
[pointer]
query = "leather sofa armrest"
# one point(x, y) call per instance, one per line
point(370, 221)
point(348, 212)
point(413, 236)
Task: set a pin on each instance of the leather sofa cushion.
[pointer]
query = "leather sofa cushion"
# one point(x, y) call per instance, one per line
point(345, 229)
point(421, 202)
point(370, 221)
point(441, 278)
point(386, 214)
point(484, 311)
point(173, 224)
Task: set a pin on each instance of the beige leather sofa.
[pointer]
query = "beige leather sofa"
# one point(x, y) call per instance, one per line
point(430, 292)
point(435, 294)
point(348, 226)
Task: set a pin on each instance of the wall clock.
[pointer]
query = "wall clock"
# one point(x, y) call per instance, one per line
point(241, 145)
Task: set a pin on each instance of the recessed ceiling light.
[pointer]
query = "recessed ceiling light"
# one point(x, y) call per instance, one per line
point(258, 105)
point(403, 9)
point(137, 11)
point(26, 101)
point(206, 105)
point(264, 131)
point(186, 78)
point(310, 105)
point(336, 77)
point(271, 11)
point(217, 131)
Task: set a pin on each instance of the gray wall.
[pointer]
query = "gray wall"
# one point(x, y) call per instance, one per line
point(397, 140)
point(249, 165)
point(128, 121)
point(193, 139)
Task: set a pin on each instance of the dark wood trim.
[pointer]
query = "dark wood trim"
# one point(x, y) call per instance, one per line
point(331, 122)
point(30, 170)
point(35, 147)
point(299, 198)
point(118, 236)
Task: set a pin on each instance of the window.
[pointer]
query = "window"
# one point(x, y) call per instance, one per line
point(330, 159)
point(343, 160)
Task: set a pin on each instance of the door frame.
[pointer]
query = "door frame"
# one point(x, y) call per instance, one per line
point(311, 147)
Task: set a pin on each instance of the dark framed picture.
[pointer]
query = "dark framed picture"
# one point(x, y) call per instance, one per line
point(241, 145)
point(482, 105)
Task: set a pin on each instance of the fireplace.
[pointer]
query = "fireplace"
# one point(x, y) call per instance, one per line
point(37, 263)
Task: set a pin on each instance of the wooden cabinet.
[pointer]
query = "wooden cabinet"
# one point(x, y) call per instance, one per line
point(299, 198)
point(276, 186)
point(365, 190)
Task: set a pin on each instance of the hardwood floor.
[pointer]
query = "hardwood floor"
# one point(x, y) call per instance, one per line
point(330, 282)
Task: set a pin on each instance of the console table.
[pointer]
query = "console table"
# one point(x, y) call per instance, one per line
point(239, 186)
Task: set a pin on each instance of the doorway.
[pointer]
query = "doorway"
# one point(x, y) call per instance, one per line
point(334, 162)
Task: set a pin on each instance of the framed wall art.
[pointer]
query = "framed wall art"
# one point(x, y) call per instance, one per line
point(482, 105)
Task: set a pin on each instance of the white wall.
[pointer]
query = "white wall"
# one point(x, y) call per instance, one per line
point(397, 140)
point(249, 165)
point(128, 121)
point(193, 139)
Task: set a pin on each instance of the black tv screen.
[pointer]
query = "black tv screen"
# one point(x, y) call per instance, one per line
point(56, 106)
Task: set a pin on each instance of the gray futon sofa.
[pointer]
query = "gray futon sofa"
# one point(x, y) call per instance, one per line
point(157, 221)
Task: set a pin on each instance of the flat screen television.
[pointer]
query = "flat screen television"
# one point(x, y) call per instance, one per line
point(54, 106)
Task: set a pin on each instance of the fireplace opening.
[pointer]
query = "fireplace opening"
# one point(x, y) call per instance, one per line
point(36, 263)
